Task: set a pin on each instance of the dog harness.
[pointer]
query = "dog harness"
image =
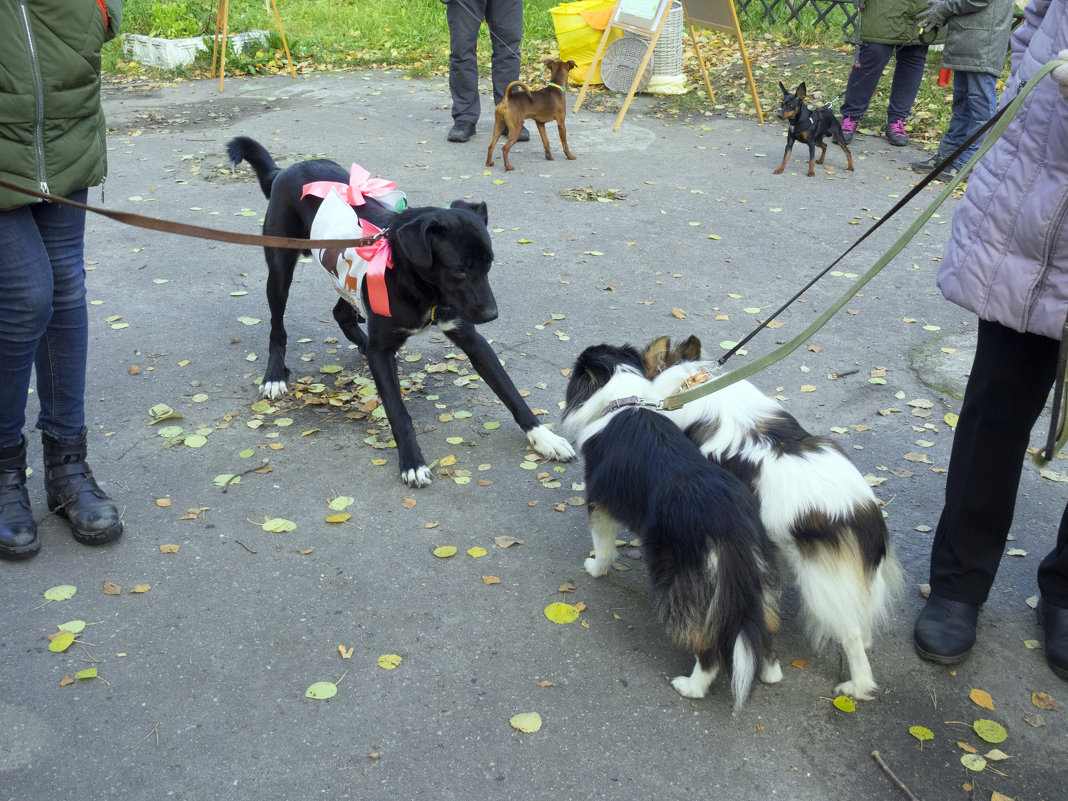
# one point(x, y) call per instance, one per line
point(337, 219)
point(349, 268)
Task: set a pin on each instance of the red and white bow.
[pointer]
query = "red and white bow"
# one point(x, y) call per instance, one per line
point(379, 258)
point(360, 183)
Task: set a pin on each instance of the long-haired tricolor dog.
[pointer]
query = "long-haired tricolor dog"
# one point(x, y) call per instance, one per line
point(814, 503)
point(712, 566)
point(437, 275)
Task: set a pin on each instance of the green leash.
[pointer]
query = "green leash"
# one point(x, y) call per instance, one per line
point(1003, 119)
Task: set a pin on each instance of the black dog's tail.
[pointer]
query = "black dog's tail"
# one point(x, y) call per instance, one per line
point(243, 148)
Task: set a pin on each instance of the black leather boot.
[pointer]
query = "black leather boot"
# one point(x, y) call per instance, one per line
point(18, 531)
point(945, 630)
point(1054, 622)
point(74, 494)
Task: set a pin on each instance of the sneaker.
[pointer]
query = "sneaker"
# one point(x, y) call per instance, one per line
point(461, 131)
point(895, 133)
point(926, 165)
point(849, 127)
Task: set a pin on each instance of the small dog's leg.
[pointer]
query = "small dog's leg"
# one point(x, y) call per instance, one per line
point(498, 129)
point(513, 137)
point(696, 685)
point(785, 158)
point(849, 156)
point(563, 136)
point(811, 159)
point(823, 153)
point(861, 684)
point(603, 530)
point(488, 366)
point(544, 139)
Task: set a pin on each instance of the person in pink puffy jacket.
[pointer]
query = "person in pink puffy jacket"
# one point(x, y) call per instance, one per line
point(1007, 262)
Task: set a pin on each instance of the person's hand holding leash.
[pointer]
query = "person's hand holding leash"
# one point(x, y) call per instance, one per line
point(934, 16)
point(1060, 74)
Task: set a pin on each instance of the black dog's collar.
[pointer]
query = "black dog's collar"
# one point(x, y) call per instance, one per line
point(632, 400)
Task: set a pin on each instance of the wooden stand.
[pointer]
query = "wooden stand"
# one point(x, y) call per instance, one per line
point(222, 24)
point(646, 18)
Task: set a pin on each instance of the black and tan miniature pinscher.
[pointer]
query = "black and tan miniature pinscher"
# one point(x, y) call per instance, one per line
point(541, 106)
point(811, 126)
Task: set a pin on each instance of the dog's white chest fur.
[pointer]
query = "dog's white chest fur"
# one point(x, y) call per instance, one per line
point(336, 219)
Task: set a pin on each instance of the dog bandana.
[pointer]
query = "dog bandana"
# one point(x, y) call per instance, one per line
point(348, 268)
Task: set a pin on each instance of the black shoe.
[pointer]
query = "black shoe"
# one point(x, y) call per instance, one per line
point(895, 133)
point(524, 134)
point(948, 173)
point(945, 630)
point(74, 494)
point(18, 530)
point(462, 130)
point(1054, 621)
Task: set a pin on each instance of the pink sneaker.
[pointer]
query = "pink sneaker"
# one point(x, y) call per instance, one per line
point(849, 127)
point(895, 133)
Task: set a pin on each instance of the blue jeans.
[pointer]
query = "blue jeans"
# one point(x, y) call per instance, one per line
point(43, 318)
point(872, 58)
point(975, 99)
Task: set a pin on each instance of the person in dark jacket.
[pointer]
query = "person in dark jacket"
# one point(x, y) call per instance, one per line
point(888, 29)
point(977, 39)
point(51, 140)
point(504, 18)
point(1007, 262)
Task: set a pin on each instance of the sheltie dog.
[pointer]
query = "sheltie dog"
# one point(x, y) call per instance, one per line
point(713, 568)
point(814, 503)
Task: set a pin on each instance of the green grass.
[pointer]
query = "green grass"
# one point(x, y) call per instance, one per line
point(412, 35)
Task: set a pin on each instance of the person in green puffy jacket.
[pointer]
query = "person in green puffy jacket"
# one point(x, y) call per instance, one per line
point(888, 29)
point(52, 139)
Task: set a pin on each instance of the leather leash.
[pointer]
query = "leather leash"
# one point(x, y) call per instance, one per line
point(185, 229)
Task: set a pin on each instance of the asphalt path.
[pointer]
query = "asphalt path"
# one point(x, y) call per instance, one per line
point(667, 226)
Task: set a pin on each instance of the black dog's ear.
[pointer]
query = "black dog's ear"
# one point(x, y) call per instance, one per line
point(477, 208)
point(690, 350)
point(570, 64)
point(801, 91)
point(785, 91)
point(414, 240)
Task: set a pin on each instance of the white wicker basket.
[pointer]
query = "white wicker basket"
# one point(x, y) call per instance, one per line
point(620, 62)
point(667, 55)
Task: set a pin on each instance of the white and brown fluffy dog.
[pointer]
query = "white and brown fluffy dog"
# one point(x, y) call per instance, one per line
point(712, 566)
point(814, 503)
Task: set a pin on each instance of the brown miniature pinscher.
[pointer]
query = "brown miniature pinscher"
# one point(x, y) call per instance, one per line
point(811, 126)
point(541, 106)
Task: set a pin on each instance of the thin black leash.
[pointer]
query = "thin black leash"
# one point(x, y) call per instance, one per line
point(932, 175)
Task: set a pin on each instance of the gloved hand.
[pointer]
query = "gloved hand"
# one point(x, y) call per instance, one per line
point(1060, 74)
point(934, 16)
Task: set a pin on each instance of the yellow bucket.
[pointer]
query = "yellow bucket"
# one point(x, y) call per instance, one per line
point(579, 28)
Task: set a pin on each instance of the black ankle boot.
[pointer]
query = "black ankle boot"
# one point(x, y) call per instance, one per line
point(18, 531)
point(945, 630)
point(74, 494)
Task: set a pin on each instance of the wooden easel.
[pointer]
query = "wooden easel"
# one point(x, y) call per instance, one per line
point(719, 15)
point(643, 17)
point(222, 22)
point(646, 18)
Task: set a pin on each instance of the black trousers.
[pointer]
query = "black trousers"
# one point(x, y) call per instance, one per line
point(504, 18)
point(1009, 383)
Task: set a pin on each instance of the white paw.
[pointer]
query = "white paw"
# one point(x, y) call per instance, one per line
point(551, 445)
point(772, 672)
point(688, 688)
point(273, 389)
point(419, 477)
point(595, 568)
point(857, 690)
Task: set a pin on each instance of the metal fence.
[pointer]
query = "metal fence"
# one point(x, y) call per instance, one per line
point(783, 10)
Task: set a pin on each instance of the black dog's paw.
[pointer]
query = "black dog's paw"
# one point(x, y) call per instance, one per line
point(417, 477)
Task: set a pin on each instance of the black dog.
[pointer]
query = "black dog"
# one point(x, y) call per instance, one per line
point(440, 259)
point(811, 126)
